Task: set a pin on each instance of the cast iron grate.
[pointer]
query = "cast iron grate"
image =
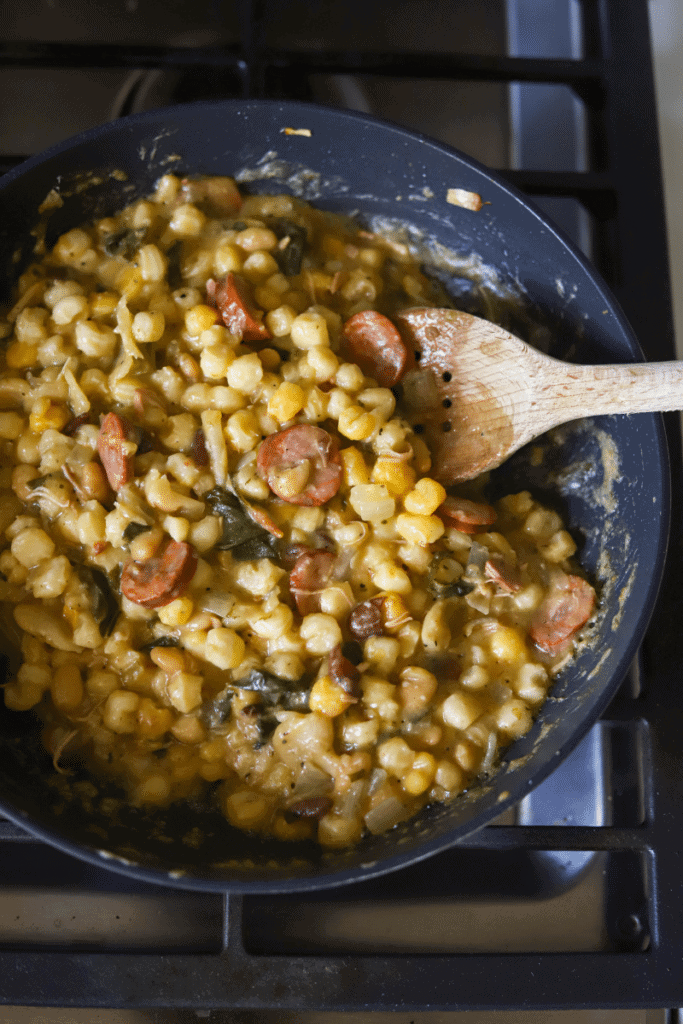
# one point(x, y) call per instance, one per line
point(251, 960)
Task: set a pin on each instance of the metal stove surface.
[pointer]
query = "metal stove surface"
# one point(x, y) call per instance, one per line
point(471, 901)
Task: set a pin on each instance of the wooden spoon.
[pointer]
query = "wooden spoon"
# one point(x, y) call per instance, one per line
point(481, 393)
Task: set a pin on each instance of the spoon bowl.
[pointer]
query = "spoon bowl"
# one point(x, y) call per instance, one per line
point(481, 393)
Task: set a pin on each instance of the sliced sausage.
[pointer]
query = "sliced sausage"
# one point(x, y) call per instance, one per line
point(160, 580)
point(310, 576)
point(74, 424)
point(374, 343)
point(561, 615)
point(366, 619)
point(312, 807)
point(344, 673)
point(114, 448)
point(294, 447)
point(465, 515)
point(235, 302)
point(503, 574)
point(261, 517)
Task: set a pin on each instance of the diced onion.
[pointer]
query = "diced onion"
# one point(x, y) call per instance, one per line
point(385, 815)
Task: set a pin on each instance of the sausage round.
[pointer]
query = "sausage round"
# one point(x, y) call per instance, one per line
point(158, 581)
point(561, 615)
point(309, 577)
point(375, 344)
point(113, 448)
point(465, 515)
point(290, 448)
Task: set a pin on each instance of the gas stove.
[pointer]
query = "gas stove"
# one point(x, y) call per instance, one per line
point(572, 899)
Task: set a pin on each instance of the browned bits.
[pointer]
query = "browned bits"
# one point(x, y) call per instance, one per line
point(366, 619)
point(198, 451)
point(314, 807)
point(72, 426)
point(344, 673)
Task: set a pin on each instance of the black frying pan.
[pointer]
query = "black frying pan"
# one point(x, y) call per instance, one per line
point(609, 478)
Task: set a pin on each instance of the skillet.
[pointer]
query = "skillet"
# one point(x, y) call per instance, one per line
point(608, 477)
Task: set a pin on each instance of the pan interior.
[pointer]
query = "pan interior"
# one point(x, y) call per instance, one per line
point(608, 477)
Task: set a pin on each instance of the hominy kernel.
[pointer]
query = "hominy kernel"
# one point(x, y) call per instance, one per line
point(288, 400)
point(419, 529)
point(177, 613)
point(309, 330)
point(395, 474)
point(460, 710)
point(356, 424)
point(425, 498)
point(200, 318)
point(148, 327)
point(328, 698)
point(67, 687)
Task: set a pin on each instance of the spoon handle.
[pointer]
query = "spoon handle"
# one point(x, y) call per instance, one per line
point(570, 392)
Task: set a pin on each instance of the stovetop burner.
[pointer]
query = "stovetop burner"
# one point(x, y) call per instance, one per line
point(572, 899)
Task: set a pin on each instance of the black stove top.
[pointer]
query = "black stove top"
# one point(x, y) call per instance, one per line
point(573, 899)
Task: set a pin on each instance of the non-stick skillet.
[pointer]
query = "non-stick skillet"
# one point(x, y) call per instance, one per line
point(608, 477)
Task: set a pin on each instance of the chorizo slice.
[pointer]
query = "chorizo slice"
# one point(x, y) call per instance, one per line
point(160, 580)
point(503, 574)
point(366, 619)
point(344, 673)
point(374, 343)
point(465, 515)
point(310, 576)
point(305, 454)
point(234, 299)
point(568, 606)
point(116, 449)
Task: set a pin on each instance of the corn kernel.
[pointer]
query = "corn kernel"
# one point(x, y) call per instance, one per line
point(152, 720)
point(395, 756)
point(288, 400)
point(129, 283)
point(354, 468)
point(396, 475)
point(328, 698)
point(395, 612)
point(460, 710)
point(421, 775)
point(356, 424)
point(148, 327)
point(67, 687)
point(228, 259)
point(247, 809)
point(21, 354)
point(47, 416)
point(224, 647)
point(507, 644)
point(177, 613)
point(419, 529)
point(200, 318)
point(102, 303)
point(425, 498)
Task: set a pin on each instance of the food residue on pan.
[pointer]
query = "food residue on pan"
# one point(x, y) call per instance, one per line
point(297, 131)
point(460, 197)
